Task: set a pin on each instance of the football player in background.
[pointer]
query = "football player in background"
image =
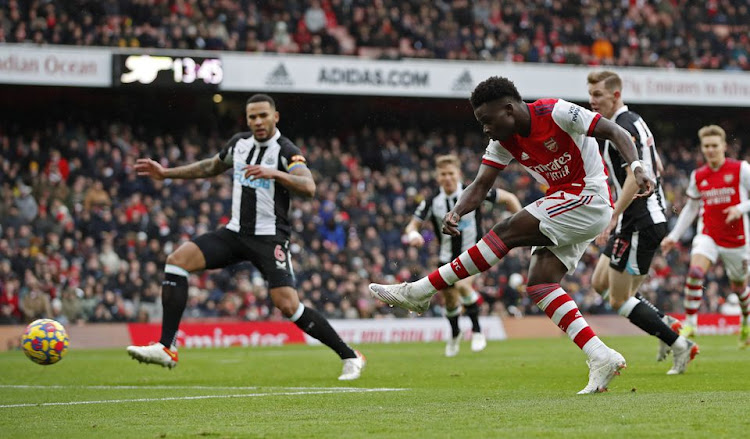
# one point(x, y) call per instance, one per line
point(718, 196)
point(461, 294)
point(637, 226)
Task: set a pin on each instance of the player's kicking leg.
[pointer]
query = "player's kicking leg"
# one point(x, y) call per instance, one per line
point(545, 272)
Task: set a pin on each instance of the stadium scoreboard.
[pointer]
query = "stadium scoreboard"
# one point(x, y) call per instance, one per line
point(185, 72)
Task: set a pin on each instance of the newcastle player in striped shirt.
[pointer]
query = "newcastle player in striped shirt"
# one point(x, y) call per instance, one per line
point(434, 208)
point(267, 167)
point(637, 227)
point(551, 138)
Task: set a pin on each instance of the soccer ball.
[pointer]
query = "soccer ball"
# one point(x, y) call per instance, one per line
point(45, 341)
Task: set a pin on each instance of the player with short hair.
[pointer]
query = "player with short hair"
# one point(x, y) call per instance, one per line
point(462, 294)
point(267, 168)
point(637, 226)
point(718, 196)
point(551, 139)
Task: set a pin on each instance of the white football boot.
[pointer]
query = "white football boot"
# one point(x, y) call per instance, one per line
point(156, 353)
point(684, 353)
point(401, 295)
point(453, 345)
point(664, 348)
point(478, 342)
point(602, 371)
point(353, 367)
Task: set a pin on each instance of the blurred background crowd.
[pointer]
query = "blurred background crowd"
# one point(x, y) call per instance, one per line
point(83, 239)
point(659, 33)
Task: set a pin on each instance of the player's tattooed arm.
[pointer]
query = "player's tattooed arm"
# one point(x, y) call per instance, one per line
point(204, 168)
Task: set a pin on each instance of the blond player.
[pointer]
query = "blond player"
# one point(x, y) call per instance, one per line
point(462, 294)
point(718, 196)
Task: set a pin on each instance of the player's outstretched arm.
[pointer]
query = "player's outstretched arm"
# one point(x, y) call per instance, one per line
point(471, 198)
point(606, 129)
point(687, 216)
point(511, 202)
point(205, 168)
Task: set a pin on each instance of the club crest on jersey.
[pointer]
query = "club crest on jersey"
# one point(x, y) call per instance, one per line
point(551, 145)
point(269, 160)
point(728, 178)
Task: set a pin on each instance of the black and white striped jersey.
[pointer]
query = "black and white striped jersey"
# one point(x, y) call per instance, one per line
point(259, 205)
point(436, 206)
point(642, 212)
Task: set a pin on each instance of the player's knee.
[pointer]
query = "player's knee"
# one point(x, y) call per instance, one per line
point(177, 259)
point(287, 303)
point(696, 272)
point(616, 303)
point(502, 227)
point(287, 308)
point(451, 302)
point(599, 284)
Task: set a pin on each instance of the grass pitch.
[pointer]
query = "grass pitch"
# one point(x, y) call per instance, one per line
point(515, 388)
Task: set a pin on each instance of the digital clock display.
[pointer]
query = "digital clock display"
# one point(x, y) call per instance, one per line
point(168, 71)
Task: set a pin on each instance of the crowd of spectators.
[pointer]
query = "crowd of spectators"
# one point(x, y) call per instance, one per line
point(82, 238)
point(694, 34)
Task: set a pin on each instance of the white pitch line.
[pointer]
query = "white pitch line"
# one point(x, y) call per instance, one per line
point(166, 387)
point(190, 398)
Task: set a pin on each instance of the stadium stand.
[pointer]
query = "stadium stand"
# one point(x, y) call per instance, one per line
point(692, 34)
point(83, 239)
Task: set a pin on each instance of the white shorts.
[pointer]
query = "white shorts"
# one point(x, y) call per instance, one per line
point(734, 259)
point(571, 222)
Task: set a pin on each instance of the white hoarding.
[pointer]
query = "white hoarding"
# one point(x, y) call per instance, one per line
point(80, 67)
point(434, 78)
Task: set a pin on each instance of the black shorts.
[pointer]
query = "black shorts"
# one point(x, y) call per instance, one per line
point(269, 254)
point(632, 251)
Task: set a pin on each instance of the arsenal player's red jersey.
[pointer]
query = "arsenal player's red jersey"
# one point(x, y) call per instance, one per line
point(718, 189)
point(558, 152)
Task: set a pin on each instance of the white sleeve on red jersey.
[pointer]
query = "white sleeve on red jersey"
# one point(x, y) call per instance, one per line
point(574, 119)
point(692, 190)
point(689, 211)
point(744, 186)
point(687, 216)
point(496, 156)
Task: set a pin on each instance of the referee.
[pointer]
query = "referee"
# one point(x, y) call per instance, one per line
point(267, 167)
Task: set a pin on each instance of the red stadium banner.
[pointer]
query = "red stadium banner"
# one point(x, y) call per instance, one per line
point(214, 335)
point(715, 324)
